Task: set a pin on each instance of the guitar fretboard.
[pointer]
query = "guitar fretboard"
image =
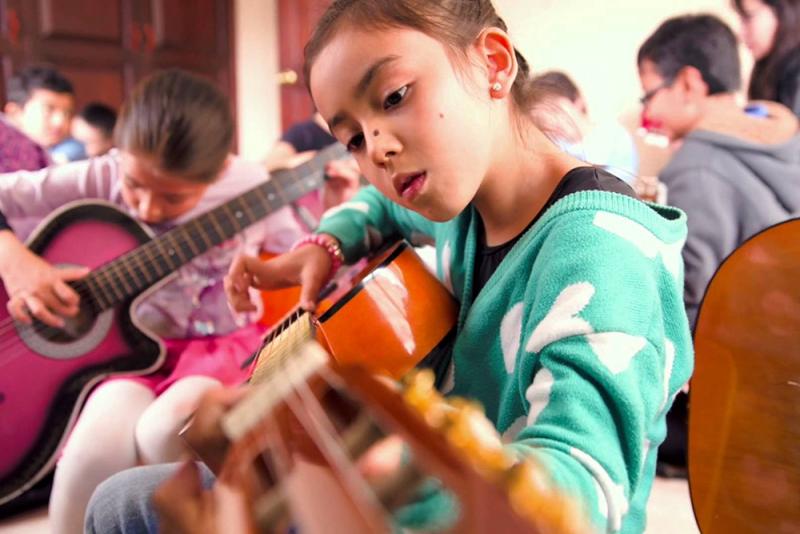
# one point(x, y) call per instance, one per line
point(297, 364)
point(128, 275)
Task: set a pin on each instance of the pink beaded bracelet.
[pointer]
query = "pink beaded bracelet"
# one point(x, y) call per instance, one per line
point(330, 244)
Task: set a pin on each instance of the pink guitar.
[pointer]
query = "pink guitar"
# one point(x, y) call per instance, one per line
point(46, 373)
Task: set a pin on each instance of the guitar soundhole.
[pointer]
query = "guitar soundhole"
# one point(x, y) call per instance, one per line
point(75, 327)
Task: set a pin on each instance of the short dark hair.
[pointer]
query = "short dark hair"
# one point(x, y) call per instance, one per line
point(100, 116)
point(558, 83)
point(21, 86)
point(700, 41)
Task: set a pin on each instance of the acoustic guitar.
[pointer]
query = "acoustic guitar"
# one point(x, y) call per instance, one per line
point(45, 373)
point(744, 416)
point(300, 433)
point(394, 302)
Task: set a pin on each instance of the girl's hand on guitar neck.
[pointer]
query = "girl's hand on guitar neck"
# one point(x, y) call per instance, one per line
point(35, 287)
point(307, 266)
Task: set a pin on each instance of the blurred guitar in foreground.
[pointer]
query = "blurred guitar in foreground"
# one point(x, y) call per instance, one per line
point(300, 434)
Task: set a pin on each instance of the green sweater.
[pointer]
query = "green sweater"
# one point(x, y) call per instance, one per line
point(577, 344)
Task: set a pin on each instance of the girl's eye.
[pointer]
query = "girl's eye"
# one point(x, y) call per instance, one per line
point(395, 98)
point(355, 142)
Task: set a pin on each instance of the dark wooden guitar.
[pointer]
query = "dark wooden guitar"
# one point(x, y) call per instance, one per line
point(744, 416)
point(45, 373)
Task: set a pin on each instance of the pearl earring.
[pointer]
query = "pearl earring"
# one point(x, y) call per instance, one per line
point(497, 86)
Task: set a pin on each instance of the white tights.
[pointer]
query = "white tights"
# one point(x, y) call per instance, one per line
point(122, 425)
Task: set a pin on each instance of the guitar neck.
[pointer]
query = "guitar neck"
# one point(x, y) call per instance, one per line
point(130, 274)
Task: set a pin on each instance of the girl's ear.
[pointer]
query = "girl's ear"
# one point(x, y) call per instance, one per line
point(495, 48)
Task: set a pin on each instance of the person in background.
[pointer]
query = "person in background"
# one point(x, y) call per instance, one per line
point(771, 30)
point(734, 174)
point(18, 152)
point(40, 103)
point(174, 137)
point(94, 128)
point(562, 111)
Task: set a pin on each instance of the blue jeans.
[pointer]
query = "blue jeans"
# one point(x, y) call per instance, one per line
point(122, 504)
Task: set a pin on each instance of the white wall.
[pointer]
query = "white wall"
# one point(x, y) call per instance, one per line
point(257, 95)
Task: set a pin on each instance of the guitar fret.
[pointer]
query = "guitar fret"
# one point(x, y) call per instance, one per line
point(280, 190)
point(142, 276)
point(126, 286)
point(101, 285)
point(201, 234)
point(265, 199)
point(150, 262)
point(97, 292)
point(189, 242)
point(167, 254)
point(234, 217)
point(217, 226)
point(247, 209)
point(177, 248)
point(114, 283)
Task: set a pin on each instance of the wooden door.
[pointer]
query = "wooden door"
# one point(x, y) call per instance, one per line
point(105, 46)
point(194, 35)
point(297, 19)
point(84, 39)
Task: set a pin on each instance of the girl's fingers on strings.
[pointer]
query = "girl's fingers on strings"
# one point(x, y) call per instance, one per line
point(50, 296)
point(66, 295)
point(73, 273)
point(39, 310)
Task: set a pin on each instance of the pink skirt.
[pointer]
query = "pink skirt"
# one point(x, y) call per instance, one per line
point(219, 357)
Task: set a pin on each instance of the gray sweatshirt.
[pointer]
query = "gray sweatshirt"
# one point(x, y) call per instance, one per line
point(733, 177)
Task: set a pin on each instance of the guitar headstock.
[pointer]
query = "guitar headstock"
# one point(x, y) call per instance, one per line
point(465, 426)
point(307, 445)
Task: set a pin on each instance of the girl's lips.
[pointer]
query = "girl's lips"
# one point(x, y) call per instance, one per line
point(411, 185)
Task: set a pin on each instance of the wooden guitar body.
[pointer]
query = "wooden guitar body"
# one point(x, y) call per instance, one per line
point(744, 424)
point(395, 303)
point(298, 437)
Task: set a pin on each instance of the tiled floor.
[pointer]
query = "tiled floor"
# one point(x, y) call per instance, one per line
point(669, 512)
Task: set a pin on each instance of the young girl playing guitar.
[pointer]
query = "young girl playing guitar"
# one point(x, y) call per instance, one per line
point(174, 136)
point(572, 332)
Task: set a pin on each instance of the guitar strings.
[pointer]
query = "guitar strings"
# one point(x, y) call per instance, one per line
point(318, 426)
point(148, 258)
